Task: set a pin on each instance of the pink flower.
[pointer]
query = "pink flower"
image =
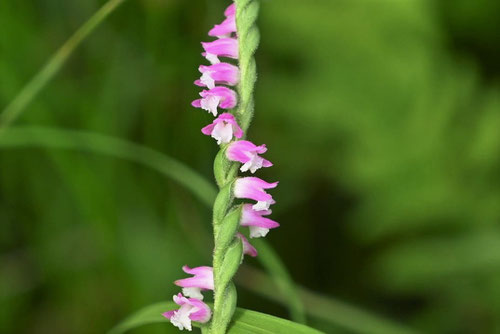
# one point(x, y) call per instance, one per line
point(259, 226)
point(222, 47)
point(230, 10)
point(223, 128)
point(221, 73)
point(248, 249)
point(253, 188)
point(222, 97)
point(203, 279)
point(191, 309)
point(248, 154)
point(225, 29)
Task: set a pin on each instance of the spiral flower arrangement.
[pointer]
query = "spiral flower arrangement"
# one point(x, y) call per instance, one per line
point(236, 41)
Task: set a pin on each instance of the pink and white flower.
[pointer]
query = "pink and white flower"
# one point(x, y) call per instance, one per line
point(253, 188)
point(222, 47)
point(248, 249)
point(203, 279)
point(191, 309)
point(221, 97)
point(259, 226)
point(225, 29)
point(248, 154)
point(221, 73)
point(223, 129)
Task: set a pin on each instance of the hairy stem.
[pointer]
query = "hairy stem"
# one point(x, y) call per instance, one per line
point(228, 250)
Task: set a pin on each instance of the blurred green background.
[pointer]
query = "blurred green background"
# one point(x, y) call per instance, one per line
point(382, 118)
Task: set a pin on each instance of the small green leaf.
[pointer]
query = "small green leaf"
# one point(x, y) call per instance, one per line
point(224, 197)
point(230, 263)
point(229, 227)
point(220, 163)
point(244, 321)
point(224, 169)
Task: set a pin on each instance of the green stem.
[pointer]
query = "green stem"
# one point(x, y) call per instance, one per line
point(228, 250)
point(40, 80)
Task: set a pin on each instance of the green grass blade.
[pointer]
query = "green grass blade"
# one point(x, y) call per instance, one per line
point(271, 261)
point(244, 321)
point(85, 141)
point(40, 80)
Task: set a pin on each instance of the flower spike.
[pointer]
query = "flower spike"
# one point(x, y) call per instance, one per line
point(191, 309)
point(248, 154)
point(223, 129)
point(222, 97)
point(228, 252)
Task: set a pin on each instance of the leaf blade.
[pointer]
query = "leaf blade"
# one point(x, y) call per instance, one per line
point(55, 63)
point(244, 321)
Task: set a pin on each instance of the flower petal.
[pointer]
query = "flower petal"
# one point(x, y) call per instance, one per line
point(251, 217)
point(248, 249)
point(253, 188)
point(223, 128)
point(222, 47)
point(203, 278)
